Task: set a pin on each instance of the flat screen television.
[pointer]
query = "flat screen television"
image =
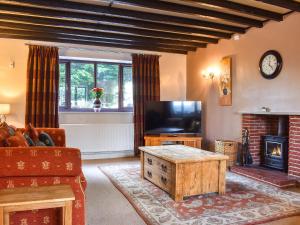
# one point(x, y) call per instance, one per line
point(173, 117)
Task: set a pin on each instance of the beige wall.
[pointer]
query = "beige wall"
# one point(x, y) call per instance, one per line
point(250, 90)
point(172, 76)
point(13, 80)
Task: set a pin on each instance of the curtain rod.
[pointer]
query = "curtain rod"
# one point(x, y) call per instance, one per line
point(146, 54)
point(82, 48)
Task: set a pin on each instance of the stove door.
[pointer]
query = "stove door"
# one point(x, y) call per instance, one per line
point(273, 150)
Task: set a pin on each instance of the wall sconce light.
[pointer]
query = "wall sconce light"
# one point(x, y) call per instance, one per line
point(12, 64)
point(236, 37)
point(4, 110)
point(211, 73)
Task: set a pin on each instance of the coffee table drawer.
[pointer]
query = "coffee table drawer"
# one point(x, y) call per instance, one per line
point(150, 160)
point(161, 180)
point(159, 165)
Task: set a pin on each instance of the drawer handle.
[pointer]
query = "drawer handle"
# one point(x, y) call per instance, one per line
point(163, 180)
point(164, 167)
point(149, 174)
point(149, 161)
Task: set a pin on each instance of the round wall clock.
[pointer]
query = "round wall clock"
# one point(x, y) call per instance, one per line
point(270, 64)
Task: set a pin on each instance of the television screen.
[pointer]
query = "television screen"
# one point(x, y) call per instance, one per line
point(173, 117)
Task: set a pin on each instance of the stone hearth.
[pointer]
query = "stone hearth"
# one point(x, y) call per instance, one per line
point(273, 177)
point(260, 125)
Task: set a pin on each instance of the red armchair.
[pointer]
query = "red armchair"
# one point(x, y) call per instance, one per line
point(39, 166)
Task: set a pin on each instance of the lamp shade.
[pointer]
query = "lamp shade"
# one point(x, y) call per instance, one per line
point(4, 109)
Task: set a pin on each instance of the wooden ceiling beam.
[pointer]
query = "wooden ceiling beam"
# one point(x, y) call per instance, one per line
point(90, 43)
point(32, 32)
point(287, 4)
point(100, 35)
point(242, 8)
point(109, 19)
point(186, 9)
point(103, 27)
point(117, 12)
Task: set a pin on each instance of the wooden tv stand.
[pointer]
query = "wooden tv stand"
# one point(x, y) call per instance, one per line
point(192, 141)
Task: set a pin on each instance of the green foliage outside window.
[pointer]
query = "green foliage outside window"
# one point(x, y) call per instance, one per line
point(107, 78)
point(82, 81)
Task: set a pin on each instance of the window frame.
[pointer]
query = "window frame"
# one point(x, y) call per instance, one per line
point(68, 108)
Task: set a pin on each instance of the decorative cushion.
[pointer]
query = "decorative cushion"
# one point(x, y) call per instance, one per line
point(30, 142)
point(11, 129)
point(4, 133)
point(32, 132)
point(46, 139)
point(17, 140)
point(40, 143)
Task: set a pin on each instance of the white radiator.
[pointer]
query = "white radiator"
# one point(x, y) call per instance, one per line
point(100, 138)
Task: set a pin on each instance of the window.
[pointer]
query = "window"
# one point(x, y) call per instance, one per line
point(108, 78)
point(77, 78)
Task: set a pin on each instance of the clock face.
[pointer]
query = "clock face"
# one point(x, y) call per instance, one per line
point(270, 64)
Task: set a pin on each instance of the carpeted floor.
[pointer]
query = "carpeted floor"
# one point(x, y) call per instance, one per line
point(107, 206)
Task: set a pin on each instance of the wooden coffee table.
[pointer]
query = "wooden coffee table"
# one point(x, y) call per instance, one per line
point(183, 171)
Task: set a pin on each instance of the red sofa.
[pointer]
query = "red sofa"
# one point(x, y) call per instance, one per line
point(40, 166)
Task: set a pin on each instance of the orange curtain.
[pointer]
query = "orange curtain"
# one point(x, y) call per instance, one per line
point(146, 87)
point(42, 86)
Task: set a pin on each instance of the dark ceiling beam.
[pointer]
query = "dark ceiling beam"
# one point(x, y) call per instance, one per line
point(99, 35)
point(287, 4)
point(109, 19)
point(31, 32)
point(82, 42)
point(180, 8)
point(103, 27)
point(117, 12)
point(242, 8)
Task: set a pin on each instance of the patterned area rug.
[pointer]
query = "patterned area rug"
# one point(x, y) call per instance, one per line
point(246, 201)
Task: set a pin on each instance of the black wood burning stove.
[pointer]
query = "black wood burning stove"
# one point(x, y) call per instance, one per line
point(275, 152)
point(275, 147)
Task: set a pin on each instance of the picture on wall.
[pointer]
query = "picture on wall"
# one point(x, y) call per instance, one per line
point(225, 82)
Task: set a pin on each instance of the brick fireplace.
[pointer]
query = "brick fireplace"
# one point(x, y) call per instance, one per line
point(261, 125)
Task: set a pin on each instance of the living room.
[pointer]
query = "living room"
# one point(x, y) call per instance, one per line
point(117, 67)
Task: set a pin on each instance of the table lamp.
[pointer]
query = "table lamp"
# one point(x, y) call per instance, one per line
point(4, 110)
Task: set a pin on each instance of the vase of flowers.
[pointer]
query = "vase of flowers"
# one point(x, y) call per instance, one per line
point(98, 93)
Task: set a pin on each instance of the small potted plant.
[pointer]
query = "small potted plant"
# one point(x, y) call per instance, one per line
point(98, 93)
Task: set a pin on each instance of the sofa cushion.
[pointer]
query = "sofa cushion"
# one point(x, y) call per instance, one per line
point(30, 142)
point(10, 128)
point(32, 132)
point(6, 131)
point(46, 139)
point(3, 135)
point(18, 140)
point(57, 135)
